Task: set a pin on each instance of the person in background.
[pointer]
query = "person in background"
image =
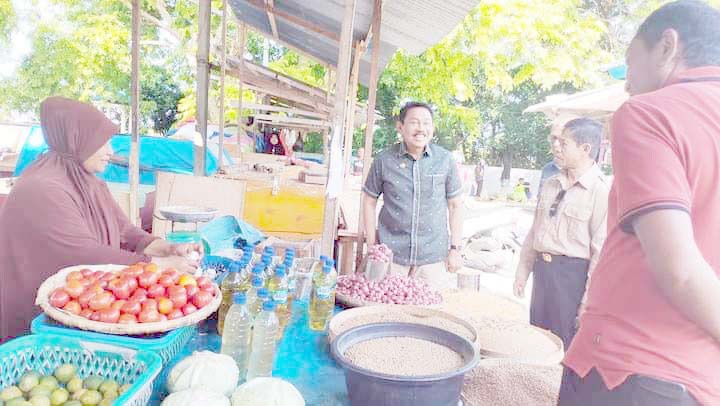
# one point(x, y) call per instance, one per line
point(650, 335)
point(357, 163)
point(60, 214)
point(518, 193)
point(563, 246)
point(422, 194)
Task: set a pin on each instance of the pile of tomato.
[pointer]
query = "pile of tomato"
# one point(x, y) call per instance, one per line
point(140, 293)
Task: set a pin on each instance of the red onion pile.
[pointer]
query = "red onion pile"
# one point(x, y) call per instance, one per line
point(393, 289)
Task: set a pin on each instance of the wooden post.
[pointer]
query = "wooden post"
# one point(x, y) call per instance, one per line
point(223, 63)
point(134, 159)
point(241, 58)
point(203, 83)
point(370, 122)
point(351, 104)
point(330, 215)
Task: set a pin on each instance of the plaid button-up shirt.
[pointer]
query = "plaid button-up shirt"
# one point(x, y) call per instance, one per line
point(414, 217)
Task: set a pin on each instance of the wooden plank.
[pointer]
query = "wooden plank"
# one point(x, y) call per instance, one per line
point(225, 195)
point(370, 122)
point(241, 35)
point(292, 120)
point(269, 4)
point(203, 83)
point(267, 107)
point(330, 216)
point(269, 8)
point(223, 63)
point(134, 159)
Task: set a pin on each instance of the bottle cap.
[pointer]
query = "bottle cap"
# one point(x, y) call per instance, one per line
point(280, 271)
point(263, 293)
point(269, 306)
point(257, 282)
point(326, 268)
point(239, 298)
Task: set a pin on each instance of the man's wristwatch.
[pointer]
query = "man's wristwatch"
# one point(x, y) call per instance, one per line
point(455, 247)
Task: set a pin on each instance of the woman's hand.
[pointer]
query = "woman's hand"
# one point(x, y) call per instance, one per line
point(180, 263)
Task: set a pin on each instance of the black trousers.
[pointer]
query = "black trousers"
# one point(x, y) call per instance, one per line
point(637, 390)
point(558, 288)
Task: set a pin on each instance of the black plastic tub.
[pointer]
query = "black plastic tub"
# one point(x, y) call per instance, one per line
point(368, 388)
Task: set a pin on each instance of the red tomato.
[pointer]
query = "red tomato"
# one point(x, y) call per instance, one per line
point(119, 288)
point(191, 290)
point(72, 307)
point(172, 273)
point(109, 315)
point(86, 272)
point(149, 316)
point(99, 274)
point(74, 288)
point(59, 298)
point(209, 289)
point(132, 272)
point(127, 319)
point(85, 298)
point(189, 309)
point(150, 267)
point(140, 294)
point(166, 281)
point(175, 314)
point(162, 318)
point(95, 316)
point(155, 291)
point(101, 301)
point(97, 286)
point(132, 282)
point(175, 289)
point(204, 281)
point(149, 304)
point(148, 279)
point(74, 276)
point(178, 297)
point(108, 277)
point(131, 307)
point(118, 304)
point(165, 305)
point(86, 313)
point(201, 299)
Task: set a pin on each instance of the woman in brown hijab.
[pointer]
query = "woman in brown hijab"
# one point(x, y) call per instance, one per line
point(60, 214)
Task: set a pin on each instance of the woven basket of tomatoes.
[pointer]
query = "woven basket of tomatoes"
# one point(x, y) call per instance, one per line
point(127, 300)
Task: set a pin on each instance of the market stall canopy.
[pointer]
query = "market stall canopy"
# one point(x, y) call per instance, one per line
point(595, 103)
point(313, 26)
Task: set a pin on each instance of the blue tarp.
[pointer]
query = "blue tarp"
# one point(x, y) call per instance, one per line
point(223, 232)
point(156, 154)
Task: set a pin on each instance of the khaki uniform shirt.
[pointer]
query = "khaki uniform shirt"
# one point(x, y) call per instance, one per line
point(579, 226)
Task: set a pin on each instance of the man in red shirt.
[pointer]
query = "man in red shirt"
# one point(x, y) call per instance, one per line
point(650, 335)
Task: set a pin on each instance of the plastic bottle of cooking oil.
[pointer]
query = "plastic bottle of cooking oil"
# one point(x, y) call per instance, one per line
point(290, 272)
point(238, 332)
point(318, 266)
point(262, 296)
point(264, 342)
point(252, 294)
point(279, 294)
point(230, 285)
point(322, 301)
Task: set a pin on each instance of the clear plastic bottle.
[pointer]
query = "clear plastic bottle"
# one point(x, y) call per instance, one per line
point(252, 294)
point(278, 288)
point(318, 266)
point(262, 296)
point(230, 285)
point(238, 332)
point(258, 272)
point(322, 301)
point(290, 270)
point(262, 355)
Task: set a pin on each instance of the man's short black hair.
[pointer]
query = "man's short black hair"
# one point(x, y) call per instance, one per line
point(697, 24)
point(586, 131)
point(413, 104)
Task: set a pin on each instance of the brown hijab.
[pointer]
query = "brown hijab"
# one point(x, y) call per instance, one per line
point(59, 215)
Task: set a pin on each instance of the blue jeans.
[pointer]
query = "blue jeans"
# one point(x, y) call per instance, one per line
point(637, 390)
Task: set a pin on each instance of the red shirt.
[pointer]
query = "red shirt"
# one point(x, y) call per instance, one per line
point(666, 154)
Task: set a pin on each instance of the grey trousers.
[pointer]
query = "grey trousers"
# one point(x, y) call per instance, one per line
point(558, 288)
point(637, 390)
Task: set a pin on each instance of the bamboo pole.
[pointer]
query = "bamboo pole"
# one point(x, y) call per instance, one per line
point(203, 83)
point(223, 63)
point(241, 57)
point(134, 158)
point(370, 122)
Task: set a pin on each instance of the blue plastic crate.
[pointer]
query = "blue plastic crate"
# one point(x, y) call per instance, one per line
point(45, 352)
point(167, 345)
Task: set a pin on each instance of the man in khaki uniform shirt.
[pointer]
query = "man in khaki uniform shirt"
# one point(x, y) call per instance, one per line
point(565, 240)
